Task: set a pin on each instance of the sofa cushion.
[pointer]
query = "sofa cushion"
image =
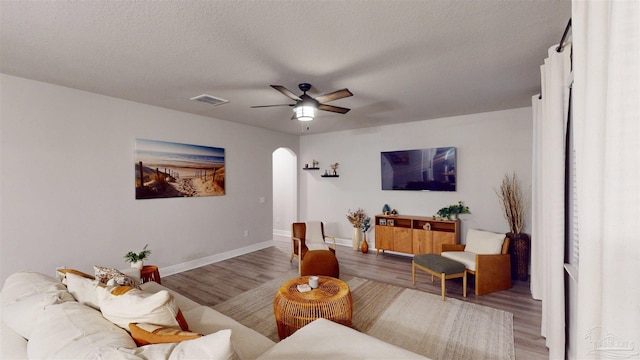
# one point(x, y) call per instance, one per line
point(464, 257)
point(247, 343)
point(323, 339)
point(145, 334)
point(137, 306)
point(83, 289)
point(215, 346)
point(24, 284)
point(25, 295)
point(74, 331)
point(12, 345)
point(484, 242)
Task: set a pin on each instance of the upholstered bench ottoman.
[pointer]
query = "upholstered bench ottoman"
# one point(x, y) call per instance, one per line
point(439, 266)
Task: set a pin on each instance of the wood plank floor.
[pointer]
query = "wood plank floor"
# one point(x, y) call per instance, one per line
point(216, 283)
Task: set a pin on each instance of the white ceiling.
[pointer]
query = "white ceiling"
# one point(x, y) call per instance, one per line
point(403, 60)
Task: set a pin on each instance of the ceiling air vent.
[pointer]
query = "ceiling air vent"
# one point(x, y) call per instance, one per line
point(210, 99)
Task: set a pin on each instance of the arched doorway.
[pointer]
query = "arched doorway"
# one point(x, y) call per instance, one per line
point(285, 193)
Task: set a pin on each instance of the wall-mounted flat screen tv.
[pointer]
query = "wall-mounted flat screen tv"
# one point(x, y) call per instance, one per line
point(422, 169)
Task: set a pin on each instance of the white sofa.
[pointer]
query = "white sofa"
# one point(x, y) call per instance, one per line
point(41, 319)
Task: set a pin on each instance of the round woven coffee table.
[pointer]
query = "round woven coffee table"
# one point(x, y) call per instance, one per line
point(294, 309)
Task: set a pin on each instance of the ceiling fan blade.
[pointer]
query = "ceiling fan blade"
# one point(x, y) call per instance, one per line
point(261, 106)
point(286, 92)
point(336, 109)
point(339, 94)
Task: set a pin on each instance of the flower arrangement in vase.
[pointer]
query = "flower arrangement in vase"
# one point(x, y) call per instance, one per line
point(136, 259)
point(356, 218)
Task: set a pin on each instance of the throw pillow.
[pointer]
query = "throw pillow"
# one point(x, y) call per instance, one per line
point(104, 275)
point(145, 334)
point(216, 346)
point(124, 305)
point(484, 242)
point(62, 274)
point(83, 289)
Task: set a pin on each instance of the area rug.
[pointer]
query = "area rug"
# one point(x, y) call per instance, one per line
point(408, 318)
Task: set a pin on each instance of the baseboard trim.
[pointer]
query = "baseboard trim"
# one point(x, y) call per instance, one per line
point(189, 265)
point(285, 236)
point(278, 235)
point(278, 232)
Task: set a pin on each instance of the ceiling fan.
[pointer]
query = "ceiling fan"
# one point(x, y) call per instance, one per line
point(306, 106)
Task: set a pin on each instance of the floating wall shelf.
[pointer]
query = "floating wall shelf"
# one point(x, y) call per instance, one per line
point(308, 168)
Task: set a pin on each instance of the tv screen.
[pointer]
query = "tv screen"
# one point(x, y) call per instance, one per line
point(422, 169)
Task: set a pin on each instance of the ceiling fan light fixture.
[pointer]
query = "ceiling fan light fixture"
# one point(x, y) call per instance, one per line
point(305, 106)
point(305, 112)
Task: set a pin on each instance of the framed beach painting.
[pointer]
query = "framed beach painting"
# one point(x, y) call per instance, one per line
point(167, 169)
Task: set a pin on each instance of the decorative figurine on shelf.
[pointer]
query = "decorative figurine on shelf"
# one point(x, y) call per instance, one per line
point(315, 163)
point(394, 212)
point(334, 167)
point(386, 209)
point(326, 172)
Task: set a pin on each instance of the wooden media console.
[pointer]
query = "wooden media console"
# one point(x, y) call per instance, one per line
point(415, 234)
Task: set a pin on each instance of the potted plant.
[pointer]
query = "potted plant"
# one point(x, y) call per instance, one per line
point(356, 218)
point(512, 203)
point(450, 211)
point(136, 259)
point(364, 227)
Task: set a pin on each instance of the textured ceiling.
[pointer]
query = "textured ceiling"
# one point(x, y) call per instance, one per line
point(403, 60)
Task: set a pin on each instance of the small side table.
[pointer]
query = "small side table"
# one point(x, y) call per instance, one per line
point(293, 309)
point(150, 273)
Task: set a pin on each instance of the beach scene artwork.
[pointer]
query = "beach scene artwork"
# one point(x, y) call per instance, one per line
point(167, 169)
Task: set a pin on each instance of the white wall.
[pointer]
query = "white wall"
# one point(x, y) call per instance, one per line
point(488, 146)
point(67, 179)
point(67, 182)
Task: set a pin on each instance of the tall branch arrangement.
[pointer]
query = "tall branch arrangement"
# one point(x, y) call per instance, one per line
point(512, 202)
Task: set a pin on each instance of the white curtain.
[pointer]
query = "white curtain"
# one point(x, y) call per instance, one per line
point(607, 116)
point(547, 231)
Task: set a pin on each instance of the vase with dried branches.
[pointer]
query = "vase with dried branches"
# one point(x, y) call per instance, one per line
point(513, 204)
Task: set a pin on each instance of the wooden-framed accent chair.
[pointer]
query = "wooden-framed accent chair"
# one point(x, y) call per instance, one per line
point(486, 256)
point(307, 236)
